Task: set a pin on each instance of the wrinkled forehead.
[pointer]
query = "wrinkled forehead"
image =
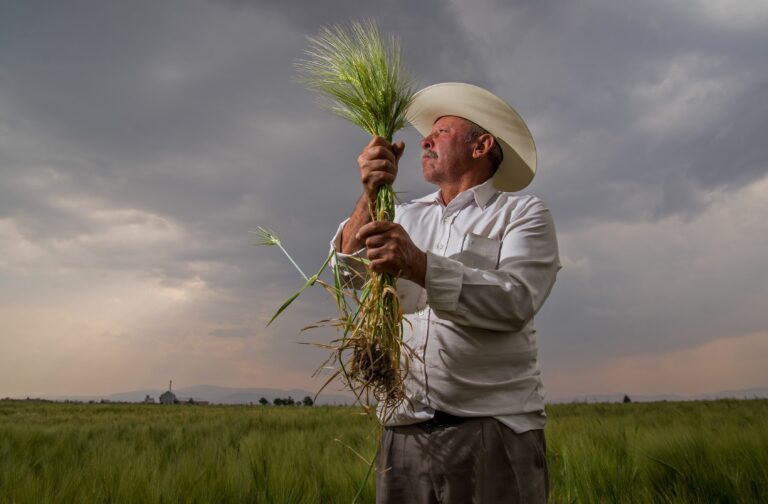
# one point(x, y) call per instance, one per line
point(455, 120)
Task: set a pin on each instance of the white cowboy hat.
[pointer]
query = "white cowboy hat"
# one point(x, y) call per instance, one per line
point(487, 111)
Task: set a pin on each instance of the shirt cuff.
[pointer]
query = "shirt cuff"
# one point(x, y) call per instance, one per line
point(443, 282)
point(336, 246)
point(351, 266)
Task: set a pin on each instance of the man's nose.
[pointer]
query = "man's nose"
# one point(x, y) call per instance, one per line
point(426, 142)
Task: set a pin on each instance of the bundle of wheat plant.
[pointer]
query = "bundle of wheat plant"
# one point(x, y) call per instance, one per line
point(358, 74)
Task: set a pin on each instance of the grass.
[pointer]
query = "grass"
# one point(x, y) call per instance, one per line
point(155, 454)
point(699, 452)
point(693, 452)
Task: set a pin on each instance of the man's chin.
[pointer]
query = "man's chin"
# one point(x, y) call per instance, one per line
point(427, 174)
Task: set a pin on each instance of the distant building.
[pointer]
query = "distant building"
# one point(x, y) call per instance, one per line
point(149, 400)
point(168, 397)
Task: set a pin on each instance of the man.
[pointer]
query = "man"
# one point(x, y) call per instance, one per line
point(474, 262)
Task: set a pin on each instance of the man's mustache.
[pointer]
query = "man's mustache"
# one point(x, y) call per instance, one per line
point(429, 153)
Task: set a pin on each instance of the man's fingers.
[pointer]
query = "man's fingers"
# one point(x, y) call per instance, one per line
point(380, 152)
point(378, 178)
point(381, 266)
point(380, 148)
point(377, 265)
point(375, 241)
point(374, 228)
point(377, 140)
point(381, 165)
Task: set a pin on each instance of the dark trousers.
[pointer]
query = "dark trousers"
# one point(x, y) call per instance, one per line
point(479, 460)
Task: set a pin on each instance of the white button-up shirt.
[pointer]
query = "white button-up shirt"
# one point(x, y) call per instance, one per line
point(491, 262)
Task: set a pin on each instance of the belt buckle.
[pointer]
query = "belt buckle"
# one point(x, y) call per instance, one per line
point(431, 426)
point(441, 419)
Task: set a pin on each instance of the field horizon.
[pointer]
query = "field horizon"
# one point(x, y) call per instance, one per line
point(216, 394)
point(706, 451)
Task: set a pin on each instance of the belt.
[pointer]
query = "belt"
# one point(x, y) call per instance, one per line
point(442, 419)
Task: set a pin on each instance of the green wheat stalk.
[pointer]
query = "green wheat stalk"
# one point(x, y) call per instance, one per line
point(268, 237)
point(358, 75)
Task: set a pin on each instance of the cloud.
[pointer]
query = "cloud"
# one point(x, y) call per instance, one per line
point(736, 15)
point(629, 287)
point(624, 98)
point(232, 332)
point(140, 143)
point(730, 363)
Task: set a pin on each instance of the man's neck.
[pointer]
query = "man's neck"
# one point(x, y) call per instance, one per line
point(447, 195)
point(448, 191)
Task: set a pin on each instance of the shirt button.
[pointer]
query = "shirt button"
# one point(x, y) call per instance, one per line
point(440, 247)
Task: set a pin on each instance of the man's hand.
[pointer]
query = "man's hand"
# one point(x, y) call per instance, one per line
point(378, 164)
point(391, 250)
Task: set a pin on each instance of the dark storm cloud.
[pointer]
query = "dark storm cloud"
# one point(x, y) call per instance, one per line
point(643, 113)
point(189, 113)
point(150, 137)
point(639, 110)
point(436, 47)
point(140, 80)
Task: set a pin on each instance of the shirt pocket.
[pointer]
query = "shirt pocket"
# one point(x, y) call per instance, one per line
point(480, 252)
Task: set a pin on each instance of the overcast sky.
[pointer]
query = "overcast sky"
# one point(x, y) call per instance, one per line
point(141, 141)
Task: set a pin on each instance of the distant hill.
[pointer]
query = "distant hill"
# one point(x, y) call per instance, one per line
point(213, 394)
point(752, 393)
point(231, 395)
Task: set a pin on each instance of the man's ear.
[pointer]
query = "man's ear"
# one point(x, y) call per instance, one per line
point(483, 145)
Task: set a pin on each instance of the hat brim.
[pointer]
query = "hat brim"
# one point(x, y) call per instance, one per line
point(490, 112)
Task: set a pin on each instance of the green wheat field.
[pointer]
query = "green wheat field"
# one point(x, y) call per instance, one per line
point(699, 452)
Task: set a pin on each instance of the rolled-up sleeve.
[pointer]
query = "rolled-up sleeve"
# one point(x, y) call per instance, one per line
point(505, 298)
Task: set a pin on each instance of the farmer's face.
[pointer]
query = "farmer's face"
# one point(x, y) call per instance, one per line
point(446, 154)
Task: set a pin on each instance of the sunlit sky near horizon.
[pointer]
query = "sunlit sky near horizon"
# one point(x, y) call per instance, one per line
point(141, 141)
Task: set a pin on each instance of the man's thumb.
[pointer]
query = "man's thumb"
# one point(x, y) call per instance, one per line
point(398, 148)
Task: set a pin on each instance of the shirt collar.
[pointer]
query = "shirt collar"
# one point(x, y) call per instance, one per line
point(482, 194)
point(429, 198)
